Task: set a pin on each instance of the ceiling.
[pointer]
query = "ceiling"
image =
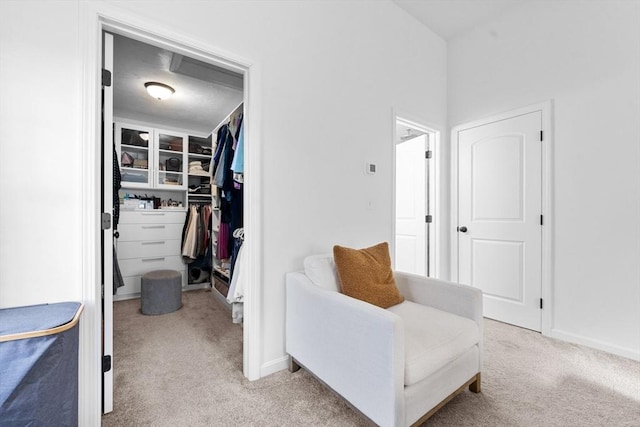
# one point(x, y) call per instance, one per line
point(204, 94)
point(449, 18)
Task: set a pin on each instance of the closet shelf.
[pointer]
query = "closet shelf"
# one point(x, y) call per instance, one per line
point(200, 156)
point(220, 271)
point(164, 150)
point(135, 147)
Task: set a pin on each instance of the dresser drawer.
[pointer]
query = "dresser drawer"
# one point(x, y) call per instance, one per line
point(149, 232)
point(148, 248)
point(152, 217)
point(132, 285)
point(139, 266)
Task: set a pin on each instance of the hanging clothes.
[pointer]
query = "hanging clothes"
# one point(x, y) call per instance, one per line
point(235, 296)
point(237, 165)
point(223, 241)
point(118, 281)
point(196, 232)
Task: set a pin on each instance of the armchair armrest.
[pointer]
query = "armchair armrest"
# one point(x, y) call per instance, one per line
point(455, 298)
point(354, 347)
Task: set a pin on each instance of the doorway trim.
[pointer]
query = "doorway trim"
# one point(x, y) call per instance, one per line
point(435, 210)
point(94, 18)
point(545, 108)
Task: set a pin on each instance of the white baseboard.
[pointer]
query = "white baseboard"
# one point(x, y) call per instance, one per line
point(597, 344)
point(273, 366)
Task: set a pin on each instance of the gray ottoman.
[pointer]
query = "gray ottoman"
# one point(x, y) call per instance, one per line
point(161, 292)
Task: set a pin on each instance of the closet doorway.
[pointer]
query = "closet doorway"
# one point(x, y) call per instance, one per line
point(208, 92)
point(415, 148)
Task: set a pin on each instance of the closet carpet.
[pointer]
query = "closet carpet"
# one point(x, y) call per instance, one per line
point(185, 368)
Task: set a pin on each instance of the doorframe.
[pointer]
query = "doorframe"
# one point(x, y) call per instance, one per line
point(94, 18)
point(434, 188)
point(545, 108)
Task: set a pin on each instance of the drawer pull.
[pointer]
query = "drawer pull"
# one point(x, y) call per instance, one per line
point(153, 243)
point(152, 259)
point(153, 213)
point(152, 226)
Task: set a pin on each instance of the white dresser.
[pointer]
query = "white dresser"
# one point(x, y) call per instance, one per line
point(149, 240)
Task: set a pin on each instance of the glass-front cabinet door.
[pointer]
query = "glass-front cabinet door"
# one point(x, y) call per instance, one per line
point(170, 163)
point(150, 157)
point(135, 154)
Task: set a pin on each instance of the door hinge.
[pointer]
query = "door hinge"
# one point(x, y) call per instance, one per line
point(428, 154)
point(541, 219)
point(541, 135)
point(106, 77)
point(105, 220)
point(540, 303)
point(106, 363)
point(428, 219)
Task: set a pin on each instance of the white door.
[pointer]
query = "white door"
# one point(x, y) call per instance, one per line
point(107, 232)
point(411, 189)
point(499, 216)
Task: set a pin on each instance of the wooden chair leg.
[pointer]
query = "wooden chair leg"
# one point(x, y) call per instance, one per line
point(293, 366)
point(475, 386)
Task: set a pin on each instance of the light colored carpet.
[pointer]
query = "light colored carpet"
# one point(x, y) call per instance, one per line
point(185, 368)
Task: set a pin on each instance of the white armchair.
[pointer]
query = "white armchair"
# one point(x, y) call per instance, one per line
point(397, 366)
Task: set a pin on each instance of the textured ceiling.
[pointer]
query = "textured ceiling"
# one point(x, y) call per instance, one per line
point(449, 18)
point(199, 103)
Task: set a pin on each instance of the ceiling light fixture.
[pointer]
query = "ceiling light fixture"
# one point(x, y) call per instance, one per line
point(159, 91)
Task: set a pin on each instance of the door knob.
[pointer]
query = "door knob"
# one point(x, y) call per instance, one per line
point(462, 229)
point(116, 234)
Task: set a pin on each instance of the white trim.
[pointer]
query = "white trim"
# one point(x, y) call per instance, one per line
point(89, 369)
point(547, 205)
point(274, 366)
point(94, 18)
point(435, 238)
point(107, 234)
point(630, 353)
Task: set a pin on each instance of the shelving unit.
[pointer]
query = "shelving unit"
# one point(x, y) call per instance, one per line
point(199, 160)
point(151, 158)
point(170, 166)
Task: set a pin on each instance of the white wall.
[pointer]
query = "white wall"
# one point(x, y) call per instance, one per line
point(40, 154)
point(328, 77)
point(585, 56)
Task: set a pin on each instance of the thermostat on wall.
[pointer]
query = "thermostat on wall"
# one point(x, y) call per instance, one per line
point(370, 168)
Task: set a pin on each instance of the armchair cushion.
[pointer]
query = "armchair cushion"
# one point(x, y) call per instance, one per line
point(322, 271)
point(366, 274)
point(433, 338)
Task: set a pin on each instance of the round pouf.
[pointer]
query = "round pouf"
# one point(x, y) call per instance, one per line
point(161, 292)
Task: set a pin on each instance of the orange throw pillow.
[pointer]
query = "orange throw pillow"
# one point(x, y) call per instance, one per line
point(366, 274)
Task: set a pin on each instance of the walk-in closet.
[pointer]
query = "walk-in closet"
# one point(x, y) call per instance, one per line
point(178, 175)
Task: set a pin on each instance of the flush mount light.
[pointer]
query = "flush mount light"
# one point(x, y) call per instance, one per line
point(159, 90)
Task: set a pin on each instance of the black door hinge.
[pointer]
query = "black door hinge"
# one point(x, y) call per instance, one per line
point(428, 219)
point(428, 154)
point(541, 219)
point(106, 363)
point(105, 220)
point(541, 136)
point(106, 77)
point(540, 303)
